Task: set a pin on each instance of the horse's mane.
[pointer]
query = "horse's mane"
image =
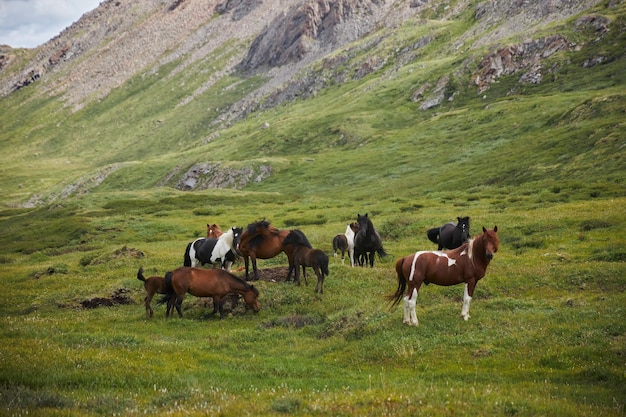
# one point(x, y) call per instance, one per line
point(253, 228)
point(297, 237)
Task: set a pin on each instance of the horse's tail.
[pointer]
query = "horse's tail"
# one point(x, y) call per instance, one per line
point(187, 258)
point(433, 235)
point(140, 276)
point(324, 265)
point(169, 290)
point(395, 298)
point(381, 252)
point(335, 244)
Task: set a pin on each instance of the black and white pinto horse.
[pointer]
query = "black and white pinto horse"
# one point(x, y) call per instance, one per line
point(220, 250)
point(450, 235)
point(367, 242)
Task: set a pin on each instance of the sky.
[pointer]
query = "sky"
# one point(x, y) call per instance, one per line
point(30, 23)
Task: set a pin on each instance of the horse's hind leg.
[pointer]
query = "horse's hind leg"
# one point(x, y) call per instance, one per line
point(178, 303)
point(149, 311)
point(467, 299)
point(410, 316)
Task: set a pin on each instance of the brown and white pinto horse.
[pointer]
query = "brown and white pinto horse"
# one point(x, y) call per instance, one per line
point(260, 241)
point(345, 243)
point(467, 263)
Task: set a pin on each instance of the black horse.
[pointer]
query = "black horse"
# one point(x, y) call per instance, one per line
point(450, 235)
point(367, 242)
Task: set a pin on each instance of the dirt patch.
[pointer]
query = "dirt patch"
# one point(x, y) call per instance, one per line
point(119, 297)
point(276, 274)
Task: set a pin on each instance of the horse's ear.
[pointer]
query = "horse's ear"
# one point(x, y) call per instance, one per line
point(484, 230)
point(495, 228)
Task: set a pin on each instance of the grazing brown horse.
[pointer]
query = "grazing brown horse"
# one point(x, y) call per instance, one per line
point(467, 263)
point(213, 231)
point(215, 283)
point(260, 241)
point(153, 285)
point(300, 253)
point(345, 243)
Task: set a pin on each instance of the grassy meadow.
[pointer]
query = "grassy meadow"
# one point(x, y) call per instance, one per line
point(89, 197)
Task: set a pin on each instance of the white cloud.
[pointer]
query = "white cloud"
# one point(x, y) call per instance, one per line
point(30, 23)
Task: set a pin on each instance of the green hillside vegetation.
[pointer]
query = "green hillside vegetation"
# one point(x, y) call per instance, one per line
point(544, 162)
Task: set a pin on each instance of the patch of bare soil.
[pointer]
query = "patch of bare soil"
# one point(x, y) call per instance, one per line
point(119, 297)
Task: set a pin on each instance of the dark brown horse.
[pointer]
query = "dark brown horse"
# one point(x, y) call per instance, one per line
point(213, 231)
point(467, 263)
point(215, 283)
point(345, 242)
point(300, 253)
point(152, 285)
point(260, 240)
point(367, 242)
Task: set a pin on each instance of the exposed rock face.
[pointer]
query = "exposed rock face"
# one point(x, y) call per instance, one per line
point(120, 39)
point(526, 57)
point(211, 175)
point(290, 36)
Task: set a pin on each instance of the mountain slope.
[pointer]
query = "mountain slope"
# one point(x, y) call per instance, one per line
point(195, 93)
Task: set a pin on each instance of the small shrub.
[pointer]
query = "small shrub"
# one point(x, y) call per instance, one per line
point(591, 224)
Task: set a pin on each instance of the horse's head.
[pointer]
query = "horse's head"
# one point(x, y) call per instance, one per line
point(490, 241)
point(364, 224)
point(354, 226)
point(251, 297)
point(213, 231)
point(296, 238)
point(464, 226)
point(236, 237)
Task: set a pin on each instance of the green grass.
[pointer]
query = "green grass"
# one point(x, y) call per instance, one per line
point(543, 162)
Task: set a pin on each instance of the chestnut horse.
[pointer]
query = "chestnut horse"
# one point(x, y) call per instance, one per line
point(152, 285)
point(260, 241)
point(213, 231)
point(215, 283)
point(467, 263)
point(345, 242)
point(300, 253)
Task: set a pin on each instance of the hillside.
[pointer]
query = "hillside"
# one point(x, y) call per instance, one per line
point(135, 81)
point(147, 120)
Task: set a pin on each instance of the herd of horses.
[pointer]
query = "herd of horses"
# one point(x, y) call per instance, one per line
point(464, 260)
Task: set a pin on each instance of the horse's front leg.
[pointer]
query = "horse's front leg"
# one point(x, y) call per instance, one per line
point(304, 275)
point(410, 302)
point(246, 261)
point(351, 255)
point(255, 271)
point(467, 299)
point(320, 280)
point(219, 302)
